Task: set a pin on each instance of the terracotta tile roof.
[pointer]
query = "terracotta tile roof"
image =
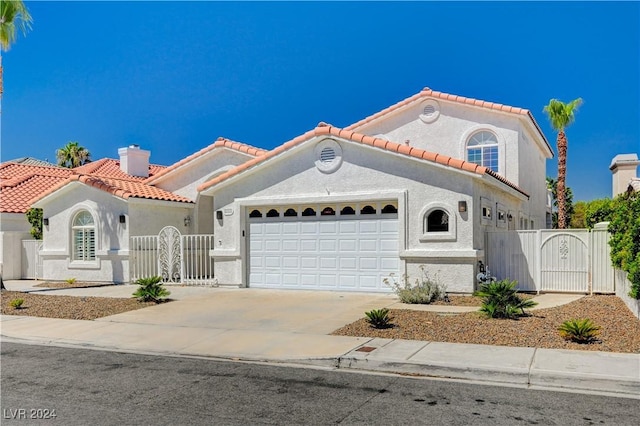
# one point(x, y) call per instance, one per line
point(428, 93)
point(219, 143)
point(10, 170)
point(325, 129)
point(20, 182)
point(108, 167)
point(15, 196)
point(121, 188)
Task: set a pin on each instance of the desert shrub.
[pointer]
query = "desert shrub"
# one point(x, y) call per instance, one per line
point(17, 303)
point(501, 300)
point(151, 289)
point(379, 318)
point(424, 289)
point(70, 280)
point(579, 330)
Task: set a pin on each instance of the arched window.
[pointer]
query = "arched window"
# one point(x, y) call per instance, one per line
point(438, 221)
point(84, 237)
point(482, 149)
point(273, 213)
point(389, 208)
point(347, 210)
point(328, 211)
point(368, 210)
point(309, 212)
point(290, 212)
point(255, 213)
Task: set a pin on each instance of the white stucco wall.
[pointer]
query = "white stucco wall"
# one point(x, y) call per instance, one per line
point(185, 180)
point(366, 174)
point(521, 160)
point(142, 217)
point(14, 228)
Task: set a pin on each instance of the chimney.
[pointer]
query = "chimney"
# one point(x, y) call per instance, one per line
point(134, 161)
point(623, 167)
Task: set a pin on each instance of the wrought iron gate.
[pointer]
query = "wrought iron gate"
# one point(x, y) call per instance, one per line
point(177, 258)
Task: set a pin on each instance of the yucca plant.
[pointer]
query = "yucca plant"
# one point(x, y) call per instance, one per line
point(579, 330)
point(151, 290)
point(379, 318)
point(501, 300)
point(17, 303)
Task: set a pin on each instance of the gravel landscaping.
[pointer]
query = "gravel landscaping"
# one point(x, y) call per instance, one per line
point(68, 307)
point(620, 329)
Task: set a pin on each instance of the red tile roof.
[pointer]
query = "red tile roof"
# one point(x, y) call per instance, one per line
point(219, 143)
point(20, 182)
point(428, 93)
point(120, 188)
point(325, 129)
point(108, 167)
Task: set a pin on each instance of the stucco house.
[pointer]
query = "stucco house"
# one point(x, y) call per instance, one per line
point(418, 183)
point(625, 177)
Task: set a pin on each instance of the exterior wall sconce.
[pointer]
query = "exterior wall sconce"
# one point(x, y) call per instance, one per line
point(510, 217)
point(187, 220)
point(462, 206)
point(219, 214)
point(45, 221)
point(122, 218)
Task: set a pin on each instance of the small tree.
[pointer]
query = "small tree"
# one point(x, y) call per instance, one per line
point(34, 216)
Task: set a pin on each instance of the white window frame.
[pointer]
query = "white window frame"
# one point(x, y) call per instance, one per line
point(86, 229)
point(450, 235)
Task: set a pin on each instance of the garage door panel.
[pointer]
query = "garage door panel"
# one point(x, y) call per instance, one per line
point(309, 262)
point(351, 253)
point(368, 245)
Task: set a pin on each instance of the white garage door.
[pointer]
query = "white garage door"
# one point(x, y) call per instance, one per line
point(349, 253)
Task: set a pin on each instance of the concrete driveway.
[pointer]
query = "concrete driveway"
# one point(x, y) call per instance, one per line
point(311, 312)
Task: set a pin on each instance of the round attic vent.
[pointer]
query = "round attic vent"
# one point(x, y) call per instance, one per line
point(429, 110)
point(328, 156)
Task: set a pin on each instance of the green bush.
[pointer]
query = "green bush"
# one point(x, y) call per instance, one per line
point(379, 318)
point(17, 303)
point(424, 289)
point(624, 227)
point(501, 300)
point(579, 330)
point(70, 280)
point(151, 290)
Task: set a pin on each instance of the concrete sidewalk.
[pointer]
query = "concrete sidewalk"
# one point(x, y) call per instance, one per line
point(293, 327)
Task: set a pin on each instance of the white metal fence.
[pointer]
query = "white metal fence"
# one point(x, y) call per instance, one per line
point(571, 260)
point(31, 259)
point(178, 259)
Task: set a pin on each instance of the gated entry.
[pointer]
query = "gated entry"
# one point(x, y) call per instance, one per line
point(572, 260)
point(564, 262)
point(177, 258)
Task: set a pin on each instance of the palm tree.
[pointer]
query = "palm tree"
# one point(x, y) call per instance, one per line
point(13, 16)
point(561, 116)
point(73, 155)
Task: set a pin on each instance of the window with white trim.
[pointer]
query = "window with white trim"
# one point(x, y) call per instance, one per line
point(437, 221)
point(482, 149)
point(83, 230)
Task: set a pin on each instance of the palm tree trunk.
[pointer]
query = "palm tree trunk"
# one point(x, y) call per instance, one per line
point(562, 177)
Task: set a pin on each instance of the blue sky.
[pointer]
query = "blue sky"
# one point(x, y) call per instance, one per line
point(173, 76)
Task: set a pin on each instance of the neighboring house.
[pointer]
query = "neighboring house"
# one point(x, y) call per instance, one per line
point(20, 181)
point(418, 183)
point(624, 169)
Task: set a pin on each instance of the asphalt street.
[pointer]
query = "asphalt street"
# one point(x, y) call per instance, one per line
point(53, 385)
